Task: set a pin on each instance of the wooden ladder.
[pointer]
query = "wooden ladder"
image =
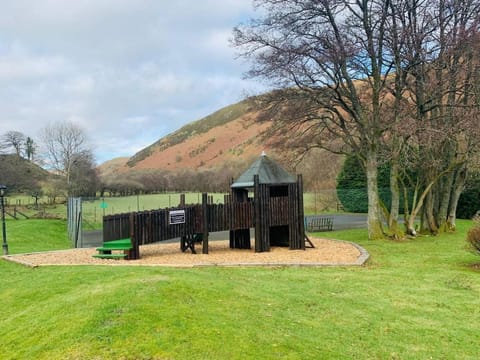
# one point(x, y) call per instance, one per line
point(308, 241)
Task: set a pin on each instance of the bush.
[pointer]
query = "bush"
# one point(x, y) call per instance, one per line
point(352, 186)
point(352, 190)
point(469, 202)
point(473, 235)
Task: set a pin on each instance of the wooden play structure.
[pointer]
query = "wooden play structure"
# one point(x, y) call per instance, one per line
point(275, 212)
point(278, 207)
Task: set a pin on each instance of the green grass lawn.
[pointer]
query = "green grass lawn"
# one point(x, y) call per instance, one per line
point(25, 236)
point(416, 299)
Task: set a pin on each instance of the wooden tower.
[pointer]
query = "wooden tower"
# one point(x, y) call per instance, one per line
point(278, 204)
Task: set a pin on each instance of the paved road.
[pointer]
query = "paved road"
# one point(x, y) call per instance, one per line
point(340, 222)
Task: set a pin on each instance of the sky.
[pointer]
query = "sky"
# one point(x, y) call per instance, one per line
point(128, 72)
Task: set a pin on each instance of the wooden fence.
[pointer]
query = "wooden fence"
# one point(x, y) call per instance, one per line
point(147, 227)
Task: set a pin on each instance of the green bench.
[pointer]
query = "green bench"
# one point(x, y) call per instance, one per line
point(106, 251)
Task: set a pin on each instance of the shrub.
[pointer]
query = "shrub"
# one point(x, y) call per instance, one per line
point(473, 235)
point(352, 185)
point(469, 202)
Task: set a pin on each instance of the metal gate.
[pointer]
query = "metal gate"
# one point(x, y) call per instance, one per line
point(74, 224)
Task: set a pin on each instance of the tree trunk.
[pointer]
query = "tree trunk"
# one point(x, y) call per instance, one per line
point(395, 194)
point(417, 205)
point(458, 187)
point(394, 229)
point(407, 218)
point(375, 230)
point(429, 223)
point(445, 194)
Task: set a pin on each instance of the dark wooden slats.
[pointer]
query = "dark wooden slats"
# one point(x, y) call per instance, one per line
point(153, 226)
point(242, 214)
point(271, 209)
point(278, 211)
point(116, 227)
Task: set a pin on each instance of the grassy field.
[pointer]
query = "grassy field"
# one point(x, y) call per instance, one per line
point(25, 236)
point(94, 210)
point(417, 299)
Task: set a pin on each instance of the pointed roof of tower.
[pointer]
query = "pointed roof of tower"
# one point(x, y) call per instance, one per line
point(268, 171)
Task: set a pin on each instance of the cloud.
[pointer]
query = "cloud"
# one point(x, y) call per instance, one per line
point(80, 84)
point(18, 68)
point(128, 71)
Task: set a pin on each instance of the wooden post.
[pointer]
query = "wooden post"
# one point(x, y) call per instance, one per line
point(301, 217)
point(135, 253)
point(230, 219)
point(265, 215)
point(258, 215)
point(182, 200)
point(205, 223)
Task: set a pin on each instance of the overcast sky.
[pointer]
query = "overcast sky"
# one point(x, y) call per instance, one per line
point(127, 71)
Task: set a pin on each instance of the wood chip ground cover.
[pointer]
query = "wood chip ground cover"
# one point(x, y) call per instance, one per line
point(326, 252)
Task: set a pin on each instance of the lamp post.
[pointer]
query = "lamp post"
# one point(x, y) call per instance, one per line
point(3, 189)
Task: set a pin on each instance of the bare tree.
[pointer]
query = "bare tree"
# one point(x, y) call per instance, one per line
point(13, 140)
point(384, 80)
point(84, 180)
point(329, 57)
point(438, 53)
point(64, 143)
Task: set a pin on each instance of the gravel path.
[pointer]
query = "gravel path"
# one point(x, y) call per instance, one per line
point(326, 253)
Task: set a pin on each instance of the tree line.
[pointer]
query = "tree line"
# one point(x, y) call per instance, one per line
point(157, 181)
point(63, 150)
point(389, 82)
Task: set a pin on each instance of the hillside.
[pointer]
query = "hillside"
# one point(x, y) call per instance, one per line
point(199, 130)
point(19, 174)
point(232, 135)
point(229, 134)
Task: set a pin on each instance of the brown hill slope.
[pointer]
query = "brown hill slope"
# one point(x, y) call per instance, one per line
point(229, 134)
point(232, 135)
point(240, 137)
point(21, 175)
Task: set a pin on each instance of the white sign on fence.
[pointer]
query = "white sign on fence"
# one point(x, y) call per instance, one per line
point(176, 217)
